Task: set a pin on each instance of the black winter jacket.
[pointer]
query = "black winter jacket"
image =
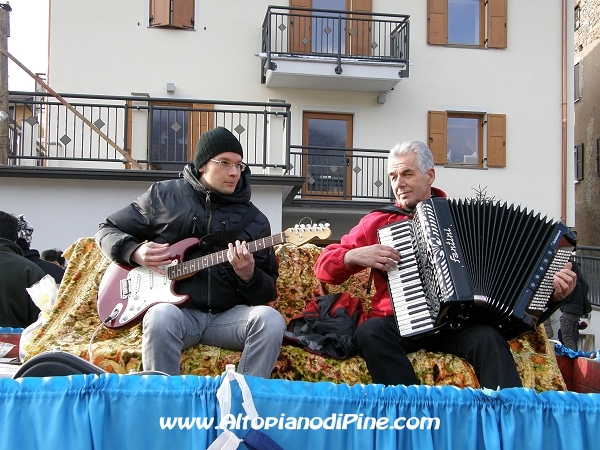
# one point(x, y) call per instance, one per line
point(173, 210)
point(49, 268)
point(17, 273)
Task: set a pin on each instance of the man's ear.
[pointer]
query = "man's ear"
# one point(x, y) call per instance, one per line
point(431, 174)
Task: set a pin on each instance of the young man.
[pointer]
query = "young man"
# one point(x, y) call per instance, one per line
point(411, 172)
point(17, 273)
point(227, 307)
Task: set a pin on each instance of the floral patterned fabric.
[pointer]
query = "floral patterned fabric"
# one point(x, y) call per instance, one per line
point(74, 321)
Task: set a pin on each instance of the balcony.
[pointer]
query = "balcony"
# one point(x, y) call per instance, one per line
point(341, 174)
point(144, 138)
point(133, 132)
point(310, 48)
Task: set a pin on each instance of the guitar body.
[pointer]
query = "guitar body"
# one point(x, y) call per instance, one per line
point(130, 292)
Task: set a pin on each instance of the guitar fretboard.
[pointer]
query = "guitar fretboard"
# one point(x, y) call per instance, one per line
point(192, 266)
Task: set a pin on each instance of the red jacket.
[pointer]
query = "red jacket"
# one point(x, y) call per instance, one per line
point(330, 267)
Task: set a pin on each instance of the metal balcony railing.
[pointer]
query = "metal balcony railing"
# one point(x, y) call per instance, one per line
point(589, 259)
point(343, 36)
point(341, 173)
point(157, 133)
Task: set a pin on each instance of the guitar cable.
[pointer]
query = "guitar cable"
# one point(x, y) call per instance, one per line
point(112, 316)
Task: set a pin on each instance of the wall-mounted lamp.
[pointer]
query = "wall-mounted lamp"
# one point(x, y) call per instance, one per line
point(170, 88)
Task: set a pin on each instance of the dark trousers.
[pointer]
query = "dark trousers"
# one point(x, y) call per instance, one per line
point(384, 351)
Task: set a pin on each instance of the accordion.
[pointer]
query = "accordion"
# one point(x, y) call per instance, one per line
point(474, 261)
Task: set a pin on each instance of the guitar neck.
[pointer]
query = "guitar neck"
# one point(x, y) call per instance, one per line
point(187, 268)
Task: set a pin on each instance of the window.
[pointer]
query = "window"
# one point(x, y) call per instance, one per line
point(317, 32)
point(464, 22)
point(479, 23)
point(325, 27)
point(326, 138)
point(598, 157)
point(579, 162)
point(577, 18)
point(458, 138)
point(463, 138)
point(174, 131)
point(576, 84)
point(172, 13)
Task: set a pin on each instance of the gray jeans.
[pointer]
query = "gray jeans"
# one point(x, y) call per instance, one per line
point(568, 328)
point(257, 330)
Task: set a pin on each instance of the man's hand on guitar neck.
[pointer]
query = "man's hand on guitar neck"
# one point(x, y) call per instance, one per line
point(241, 260)
point(152, 256)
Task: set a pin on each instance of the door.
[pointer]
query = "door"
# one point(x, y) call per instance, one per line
point(327, 155)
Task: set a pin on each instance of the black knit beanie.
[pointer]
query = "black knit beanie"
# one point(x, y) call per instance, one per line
point(213, 142)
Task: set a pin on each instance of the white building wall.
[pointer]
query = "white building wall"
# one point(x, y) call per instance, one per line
point(115, 52)
point(62, 211)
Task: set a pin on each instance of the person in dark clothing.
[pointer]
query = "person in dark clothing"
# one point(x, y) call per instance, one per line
point(25, 233)
point(54, 256)
point(411, 171)
point(17, 273)
point(573, 308)
point(228, 300)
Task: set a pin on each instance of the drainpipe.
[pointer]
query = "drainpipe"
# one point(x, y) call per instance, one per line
point(563, 201)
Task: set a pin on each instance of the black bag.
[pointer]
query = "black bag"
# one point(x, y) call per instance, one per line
point(56, 363)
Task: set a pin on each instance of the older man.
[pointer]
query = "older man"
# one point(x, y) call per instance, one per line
point(412, 173)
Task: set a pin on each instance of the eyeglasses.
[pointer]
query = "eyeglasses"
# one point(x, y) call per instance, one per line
point(226, 165)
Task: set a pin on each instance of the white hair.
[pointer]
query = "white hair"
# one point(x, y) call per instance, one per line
point(424, 156)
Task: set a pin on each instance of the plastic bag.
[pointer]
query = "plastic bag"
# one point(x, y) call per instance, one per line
point(43, 293)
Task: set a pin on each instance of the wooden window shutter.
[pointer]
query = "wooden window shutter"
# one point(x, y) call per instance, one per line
point(360, 41)
point(496, 140)
point(497, 12)
point(160, 13)
point(437, 125)
point(299, 39)
point(183, 13)
point(437, 22)
point(202, 121)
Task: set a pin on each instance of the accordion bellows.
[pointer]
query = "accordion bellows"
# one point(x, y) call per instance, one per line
point(472, 261)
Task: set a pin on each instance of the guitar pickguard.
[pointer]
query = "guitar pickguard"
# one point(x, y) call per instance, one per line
point(145, 288)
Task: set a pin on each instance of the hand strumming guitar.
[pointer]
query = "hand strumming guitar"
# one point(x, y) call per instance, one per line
point(152, 256)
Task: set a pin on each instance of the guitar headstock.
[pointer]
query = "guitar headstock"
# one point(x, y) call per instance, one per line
point(300, 234)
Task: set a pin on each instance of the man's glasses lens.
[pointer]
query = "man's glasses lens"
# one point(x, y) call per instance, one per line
point(228, 165)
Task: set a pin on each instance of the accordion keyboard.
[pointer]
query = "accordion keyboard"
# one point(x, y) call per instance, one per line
point(405, 285)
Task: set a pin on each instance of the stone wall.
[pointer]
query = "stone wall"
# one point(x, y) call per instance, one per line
point(587, 128)
point(589, 28)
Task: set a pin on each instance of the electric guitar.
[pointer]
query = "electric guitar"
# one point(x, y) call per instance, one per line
point(126, 293)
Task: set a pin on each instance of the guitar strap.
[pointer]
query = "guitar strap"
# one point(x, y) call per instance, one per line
point(224, 237)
